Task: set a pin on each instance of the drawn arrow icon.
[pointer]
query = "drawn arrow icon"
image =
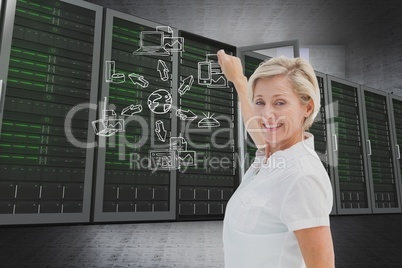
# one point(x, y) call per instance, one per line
point(186, 115)
point(163, 70)
point(138, 80)
point(186, 85)
point(160, 130)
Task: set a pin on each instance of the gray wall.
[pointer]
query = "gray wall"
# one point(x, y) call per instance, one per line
point(376, 61)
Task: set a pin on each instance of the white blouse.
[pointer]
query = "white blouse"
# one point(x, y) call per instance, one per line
point(290, 191)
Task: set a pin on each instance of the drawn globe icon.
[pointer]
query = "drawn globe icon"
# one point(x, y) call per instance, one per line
point(160, 101)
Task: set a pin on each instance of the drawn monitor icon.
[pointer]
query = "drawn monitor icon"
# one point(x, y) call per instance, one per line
point(151, 43)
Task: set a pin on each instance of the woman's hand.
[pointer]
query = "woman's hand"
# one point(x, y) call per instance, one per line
point(231, 67)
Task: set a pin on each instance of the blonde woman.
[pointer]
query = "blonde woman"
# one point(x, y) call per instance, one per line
point(279, 215)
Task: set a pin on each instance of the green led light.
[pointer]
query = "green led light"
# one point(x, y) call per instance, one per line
point(5, 134)
point(18, 157)
point(4, 156)
point(20, 10)
point(29, 53)
point(27, 83)
point(34, 137)
point(19, 135)
point(194, 48)
point(33, 147)
point(34, 4)
point(14, 60)
point(31, 157)
point(120, 89)
point(12, 80)
point(19, 146)
point(125, 29)
point(5, 145)
point(34, 14)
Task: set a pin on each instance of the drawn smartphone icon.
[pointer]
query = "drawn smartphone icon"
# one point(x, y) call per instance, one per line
point(204, 73)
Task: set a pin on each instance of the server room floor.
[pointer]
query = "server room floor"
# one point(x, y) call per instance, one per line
point(360, 241)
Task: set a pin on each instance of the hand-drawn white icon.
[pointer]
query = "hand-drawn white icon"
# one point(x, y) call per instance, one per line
point(186, 85)
point(139, 80)
point(173, 158)
point(160, 101)
point(178, 143)
point(110, 73)
point(210, 73)
point(162, 160)
point(160, 42)
point(108, 125)
point(131, 110)
point(185, 157)
point(160, 130)
point(208, 121)
point(163, 70)
point(171, 43)
point(186, 115)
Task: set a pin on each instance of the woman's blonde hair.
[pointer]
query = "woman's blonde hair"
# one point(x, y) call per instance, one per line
point(301, 76)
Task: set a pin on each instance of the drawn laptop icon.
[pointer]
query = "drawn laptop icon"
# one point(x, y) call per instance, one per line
point(151, 43)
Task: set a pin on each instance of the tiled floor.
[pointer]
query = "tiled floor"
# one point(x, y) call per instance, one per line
point(360, 241)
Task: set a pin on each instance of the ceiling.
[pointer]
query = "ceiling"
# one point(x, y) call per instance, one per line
point(252, 22)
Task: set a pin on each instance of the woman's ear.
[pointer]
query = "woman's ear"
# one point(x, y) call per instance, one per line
point(309, 108)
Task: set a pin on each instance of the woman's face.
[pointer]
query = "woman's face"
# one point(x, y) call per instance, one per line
point(279, 111)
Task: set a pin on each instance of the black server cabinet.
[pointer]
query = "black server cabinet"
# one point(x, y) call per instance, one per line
point(321, 129)
point(50, 64)
point(381, 164)
point(396, 126)
point(204, 189)
point(138, 92)
point(349, 152)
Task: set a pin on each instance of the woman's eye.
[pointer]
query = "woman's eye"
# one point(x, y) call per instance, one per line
point(259, 103)
point(280, 103)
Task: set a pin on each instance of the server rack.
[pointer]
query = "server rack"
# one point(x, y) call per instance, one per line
point(204, 189)
point(321, 129)
point(50, 60)
point(127, 188)
point(349, 153)
point(384, 185)
point(396, 131)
